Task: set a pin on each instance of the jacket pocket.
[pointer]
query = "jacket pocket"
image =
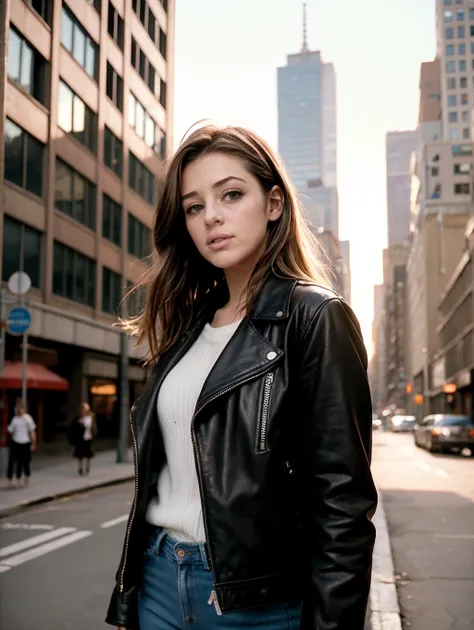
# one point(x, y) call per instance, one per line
point(262, 435)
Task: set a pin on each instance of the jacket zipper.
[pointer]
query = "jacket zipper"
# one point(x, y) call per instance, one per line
point(214, 598)
point(264, 415)
point(134, 504)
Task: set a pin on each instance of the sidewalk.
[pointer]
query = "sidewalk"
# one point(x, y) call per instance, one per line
point(56, 476)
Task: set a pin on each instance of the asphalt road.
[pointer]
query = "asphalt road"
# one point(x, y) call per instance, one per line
point(429, 503)
point(64, 578)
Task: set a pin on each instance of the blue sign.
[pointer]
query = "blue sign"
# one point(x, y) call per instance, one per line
point(19, 320)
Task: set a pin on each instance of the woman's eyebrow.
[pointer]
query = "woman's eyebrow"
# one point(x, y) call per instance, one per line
point(216, 185)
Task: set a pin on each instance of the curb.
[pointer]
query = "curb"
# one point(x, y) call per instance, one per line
point(47, 498)
point(384, 607)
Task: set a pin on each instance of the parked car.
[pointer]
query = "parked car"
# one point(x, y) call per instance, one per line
point(445, 432)
point(402, 424)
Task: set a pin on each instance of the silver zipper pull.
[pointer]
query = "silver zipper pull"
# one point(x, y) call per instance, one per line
point(213, 600)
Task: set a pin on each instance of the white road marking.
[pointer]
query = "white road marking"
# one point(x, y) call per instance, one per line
point(422, 465)
point(35, 540)
point(115, 521)
point(25, 526)
point(456, 536)
point(21, 558)
point(442, 473)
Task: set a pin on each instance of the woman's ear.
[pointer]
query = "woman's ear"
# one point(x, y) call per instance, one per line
point(276, 199)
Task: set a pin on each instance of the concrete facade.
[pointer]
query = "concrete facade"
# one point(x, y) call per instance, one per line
point(119, 71)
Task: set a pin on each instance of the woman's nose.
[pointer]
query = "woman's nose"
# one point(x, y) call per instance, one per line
point(212, 213)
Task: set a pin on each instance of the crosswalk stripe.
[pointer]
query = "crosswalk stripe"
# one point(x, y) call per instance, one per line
point(36, 552)
point(115, 521)
point(35, 540)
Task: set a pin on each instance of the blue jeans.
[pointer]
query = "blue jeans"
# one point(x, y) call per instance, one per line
point(176, 593)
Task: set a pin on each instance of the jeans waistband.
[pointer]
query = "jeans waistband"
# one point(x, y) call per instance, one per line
point(180, 552)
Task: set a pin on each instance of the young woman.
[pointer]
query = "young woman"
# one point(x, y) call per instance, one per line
point(84, 430)
point(252, 438)
point(22, 430)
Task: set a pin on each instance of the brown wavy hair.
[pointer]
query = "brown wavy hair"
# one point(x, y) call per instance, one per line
point(180, 277)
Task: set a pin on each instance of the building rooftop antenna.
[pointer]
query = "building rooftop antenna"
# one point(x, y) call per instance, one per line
point(304, 47)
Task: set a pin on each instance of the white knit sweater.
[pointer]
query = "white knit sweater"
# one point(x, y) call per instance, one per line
point(178, 506)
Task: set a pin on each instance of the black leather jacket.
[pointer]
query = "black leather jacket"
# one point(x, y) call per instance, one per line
point(282, 441)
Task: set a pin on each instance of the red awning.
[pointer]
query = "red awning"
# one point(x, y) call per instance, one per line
point(38, 377)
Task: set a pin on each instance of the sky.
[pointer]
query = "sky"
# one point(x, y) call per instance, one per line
point(227, 55)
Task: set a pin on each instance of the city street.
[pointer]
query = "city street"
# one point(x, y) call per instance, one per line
point(58, 562)
point(429, 503)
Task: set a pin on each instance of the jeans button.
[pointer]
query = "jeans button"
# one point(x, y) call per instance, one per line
point(180, 553)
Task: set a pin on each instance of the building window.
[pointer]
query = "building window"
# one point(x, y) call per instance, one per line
point(111, 220)
point(462, 149)
point(74, 194)
point(448, 3)
point(460, 15)
point(162, 43)
point(73, 275)
point(115, 26)
point(163, 93)
point(449, 32)
point(114, 88)
point(450, 66)
point(461, 49)
point(463, 82)
point(136, 299)
point(453, 134)
point(113, 151)
point(471, 13)
point(465, 116)
point(26, 67)
point(472, 31)
point(21, 239)
point(143, 66)
point(461, 189)
point(139, 238)
point(462, 66)
point(452, 100)
point(451, 84)
point(75, 39)
point(111, 291)
point(23, 159)
point(141, 180)
point(163, 145)
point(42, 8)
point(461, 32)
point(462, 169)
point(464, 99)
point(466, 133)
point(453, 117)
point(142, 122)
point(76, 118)
point(448, 17)
point(450, 50)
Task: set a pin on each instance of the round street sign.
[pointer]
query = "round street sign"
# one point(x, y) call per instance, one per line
point(19, 283)
point(18, 320)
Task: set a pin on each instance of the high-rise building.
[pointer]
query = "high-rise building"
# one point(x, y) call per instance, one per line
point(399, 145)
point(307, 132)
point(86, 103)
point(455, 49)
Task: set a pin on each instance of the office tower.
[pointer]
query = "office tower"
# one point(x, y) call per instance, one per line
point(88, 118)
point(307, 132)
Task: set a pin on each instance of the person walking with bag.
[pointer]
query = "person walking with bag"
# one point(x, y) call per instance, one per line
point(83, 431)
point(22, 430)
point(252, 437)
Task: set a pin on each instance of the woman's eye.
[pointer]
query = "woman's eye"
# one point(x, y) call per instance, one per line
point(193, 209)
point(233, 195)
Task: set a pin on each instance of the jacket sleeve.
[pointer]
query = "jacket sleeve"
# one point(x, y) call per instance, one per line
point(339, 493)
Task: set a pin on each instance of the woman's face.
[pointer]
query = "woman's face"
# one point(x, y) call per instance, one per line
point(227, 211)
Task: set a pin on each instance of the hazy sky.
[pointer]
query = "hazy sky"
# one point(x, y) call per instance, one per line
point(227, 54)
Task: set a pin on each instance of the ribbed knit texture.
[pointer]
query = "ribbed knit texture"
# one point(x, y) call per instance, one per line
point(178, 506)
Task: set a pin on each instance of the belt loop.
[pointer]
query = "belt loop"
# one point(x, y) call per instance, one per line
point(205, 556)
point(159, 540)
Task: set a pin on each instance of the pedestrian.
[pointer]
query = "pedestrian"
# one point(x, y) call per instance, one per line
point(252, 437)
point(83, 431)
point(22, 430)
